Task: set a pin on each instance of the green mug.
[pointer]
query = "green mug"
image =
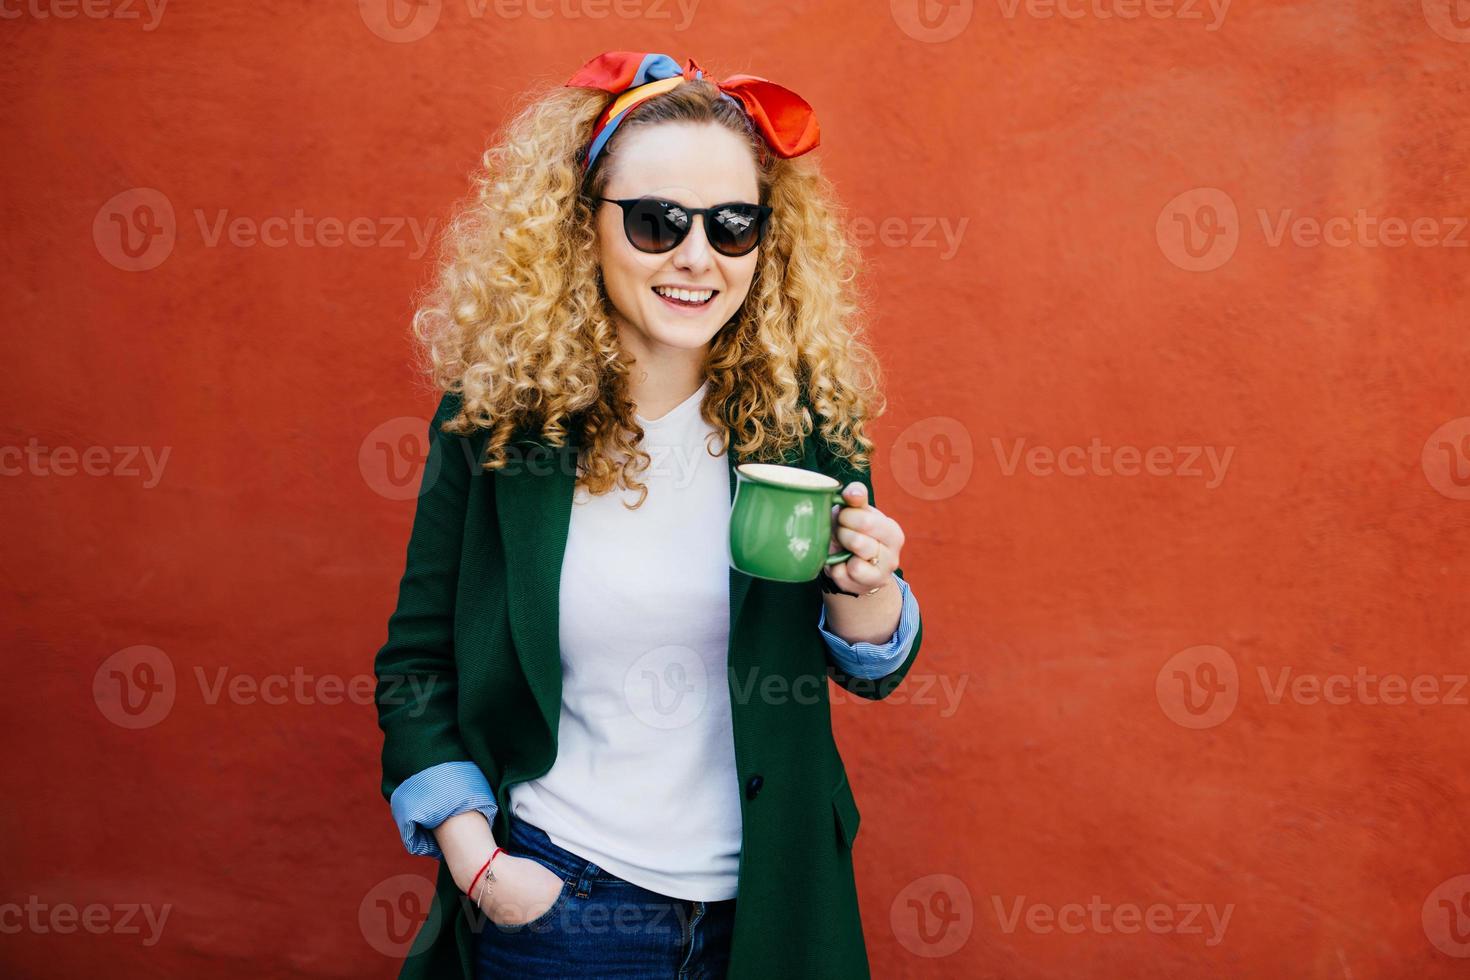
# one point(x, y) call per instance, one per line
point(781, 522)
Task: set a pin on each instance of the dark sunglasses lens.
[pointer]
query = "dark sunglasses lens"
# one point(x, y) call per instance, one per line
point(735, 230)
point(655, 226)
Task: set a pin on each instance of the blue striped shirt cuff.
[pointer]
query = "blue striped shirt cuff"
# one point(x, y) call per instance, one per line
point(429, 797)
point(870, 661)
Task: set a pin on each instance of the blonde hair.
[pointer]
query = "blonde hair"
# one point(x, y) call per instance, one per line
point(516, 322)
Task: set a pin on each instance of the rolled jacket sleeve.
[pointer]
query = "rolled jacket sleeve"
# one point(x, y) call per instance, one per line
point(871, 661)
point(428, 798)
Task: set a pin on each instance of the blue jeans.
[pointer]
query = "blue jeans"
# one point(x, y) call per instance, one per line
point(603, 926)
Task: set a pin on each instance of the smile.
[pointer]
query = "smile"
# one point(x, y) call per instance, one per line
point(689, 299)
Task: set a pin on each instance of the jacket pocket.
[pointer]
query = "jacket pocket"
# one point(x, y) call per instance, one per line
point(846, 810)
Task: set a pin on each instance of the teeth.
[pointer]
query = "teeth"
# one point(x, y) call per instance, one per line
point(687, 295)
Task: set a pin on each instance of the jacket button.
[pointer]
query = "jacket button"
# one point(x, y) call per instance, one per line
point(753, 786)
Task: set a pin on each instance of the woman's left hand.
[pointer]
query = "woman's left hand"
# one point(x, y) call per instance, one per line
point(867, 533)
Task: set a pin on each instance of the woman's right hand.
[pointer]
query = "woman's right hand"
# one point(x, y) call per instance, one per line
point(523, 890)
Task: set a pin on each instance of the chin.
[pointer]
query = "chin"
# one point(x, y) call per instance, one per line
point(686, 339)
point(686, 335)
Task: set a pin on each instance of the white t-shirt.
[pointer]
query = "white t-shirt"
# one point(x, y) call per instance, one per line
point(644, 784)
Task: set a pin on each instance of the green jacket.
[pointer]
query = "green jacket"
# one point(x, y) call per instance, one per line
point(475, 628)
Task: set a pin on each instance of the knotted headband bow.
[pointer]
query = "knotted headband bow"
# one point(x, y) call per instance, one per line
point(785, 119)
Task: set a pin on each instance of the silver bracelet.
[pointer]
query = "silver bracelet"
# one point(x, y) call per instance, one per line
point(484, 884)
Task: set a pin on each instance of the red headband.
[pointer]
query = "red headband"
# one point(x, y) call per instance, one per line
point(785, 119)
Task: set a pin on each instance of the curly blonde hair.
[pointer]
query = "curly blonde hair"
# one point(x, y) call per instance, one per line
point(517, 321)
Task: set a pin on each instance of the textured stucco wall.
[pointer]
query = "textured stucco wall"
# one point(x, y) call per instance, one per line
point(1091, 247)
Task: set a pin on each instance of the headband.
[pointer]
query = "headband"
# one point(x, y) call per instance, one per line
point(785, 119)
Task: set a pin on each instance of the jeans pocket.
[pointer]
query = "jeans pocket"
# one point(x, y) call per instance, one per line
point(537, 924)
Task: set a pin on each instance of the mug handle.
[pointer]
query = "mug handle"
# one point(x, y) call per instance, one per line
point(838, 556)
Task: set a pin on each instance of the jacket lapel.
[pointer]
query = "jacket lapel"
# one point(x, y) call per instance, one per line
point(533, 503)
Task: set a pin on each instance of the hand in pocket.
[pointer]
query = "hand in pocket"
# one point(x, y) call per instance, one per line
point(523, 891)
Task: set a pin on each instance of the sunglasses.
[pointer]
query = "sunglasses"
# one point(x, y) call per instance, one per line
point(655, 225)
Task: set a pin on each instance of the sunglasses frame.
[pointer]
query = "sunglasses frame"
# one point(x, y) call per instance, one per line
point(762, 219)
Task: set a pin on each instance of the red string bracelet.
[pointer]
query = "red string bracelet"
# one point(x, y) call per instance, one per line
point(482, 870)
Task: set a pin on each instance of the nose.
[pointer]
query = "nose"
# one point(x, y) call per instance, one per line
point(694, 252)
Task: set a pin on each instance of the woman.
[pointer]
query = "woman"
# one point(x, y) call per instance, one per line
point(604, 731)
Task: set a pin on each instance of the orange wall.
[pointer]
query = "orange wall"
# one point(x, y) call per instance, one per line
point(1075, 234)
